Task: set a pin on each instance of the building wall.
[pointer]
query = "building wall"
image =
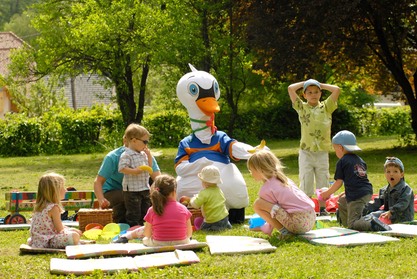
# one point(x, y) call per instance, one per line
point(88, 92)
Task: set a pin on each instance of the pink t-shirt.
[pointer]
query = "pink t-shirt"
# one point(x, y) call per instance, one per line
point(172, 225)
point(290, 198)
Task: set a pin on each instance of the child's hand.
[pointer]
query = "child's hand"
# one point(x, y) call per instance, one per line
point(185, 200)
point(323, 195)
point(386, 215)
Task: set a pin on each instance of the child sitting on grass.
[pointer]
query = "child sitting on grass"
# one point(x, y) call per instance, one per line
point(167, 222)
point(281, 203)
point(46, 229)
point(212, 202)
point(397, 196)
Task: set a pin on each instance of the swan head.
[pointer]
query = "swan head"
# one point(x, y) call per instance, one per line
point(199, 91)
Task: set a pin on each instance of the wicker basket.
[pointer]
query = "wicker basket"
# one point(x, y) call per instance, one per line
point(195, 213)
point(100, 216)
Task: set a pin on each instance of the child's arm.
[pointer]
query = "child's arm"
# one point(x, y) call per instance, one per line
point(292, 90)
point(332, 88)
point(55, 214)
point(149, 155)
point(148, 230)
point(336, 185)
point(401, 204)
point(189, 229)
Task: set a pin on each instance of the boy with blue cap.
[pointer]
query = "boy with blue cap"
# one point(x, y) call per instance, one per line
point(351, 171)
point(397, 196)
point(316, 120)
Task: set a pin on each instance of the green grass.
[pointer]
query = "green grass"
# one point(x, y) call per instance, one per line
point(293, 259)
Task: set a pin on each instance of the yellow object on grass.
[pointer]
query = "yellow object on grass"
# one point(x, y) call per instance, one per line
point(93, 234)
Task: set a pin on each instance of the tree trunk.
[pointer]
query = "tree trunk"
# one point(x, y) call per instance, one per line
point(142, 90)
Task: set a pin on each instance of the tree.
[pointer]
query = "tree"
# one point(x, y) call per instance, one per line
point(10, 8)
point(115, 39)
point(352, 39)
point(39, 97)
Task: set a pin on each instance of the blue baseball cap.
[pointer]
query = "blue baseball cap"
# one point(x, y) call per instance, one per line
point(310, 82)
point(347, 139)
point(394, 161)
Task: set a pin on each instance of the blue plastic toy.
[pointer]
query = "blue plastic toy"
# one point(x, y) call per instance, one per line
point(256, 221)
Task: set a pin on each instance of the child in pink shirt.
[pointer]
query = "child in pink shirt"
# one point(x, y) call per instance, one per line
point(281, 203)
point(168, 222)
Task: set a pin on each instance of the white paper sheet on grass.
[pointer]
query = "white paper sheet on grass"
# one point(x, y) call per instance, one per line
point(354, 239)
point(345, 237)
point(403, 230)
point(15, 227)
point(327, 232)
point(117, 249)
point(238, 245)
point(111, 265)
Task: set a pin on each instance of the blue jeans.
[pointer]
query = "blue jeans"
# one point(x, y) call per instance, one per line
point(221, 225)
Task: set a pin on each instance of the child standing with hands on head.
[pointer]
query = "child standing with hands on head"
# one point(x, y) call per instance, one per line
point(136, 178)
point(46, 229)
point(316, 120)
point(281, 203)
point(212, 202)
point(168, 222)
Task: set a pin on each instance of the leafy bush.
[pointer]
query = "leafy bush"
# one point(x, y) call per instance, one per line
point(20, 136)
point(168, 128)
point(65, 131)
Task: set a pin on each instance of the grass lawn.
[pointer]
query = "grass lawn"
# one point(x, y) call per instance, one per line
point(295, 258)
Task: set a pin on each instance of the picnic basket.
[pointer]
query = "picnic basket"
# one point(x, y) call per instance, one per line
point(195, 213)
point(89, 215)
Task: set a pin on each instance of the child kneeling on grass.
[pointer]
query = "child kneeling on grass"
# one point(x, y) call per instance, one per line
point(281, 203)
point(351, 171)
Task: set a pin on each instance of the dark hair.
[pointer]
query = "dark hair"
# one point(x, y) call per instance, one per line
point(161, 188)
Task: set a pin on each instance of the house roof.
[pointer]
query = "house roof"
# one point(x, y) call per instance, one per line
point(8, 42)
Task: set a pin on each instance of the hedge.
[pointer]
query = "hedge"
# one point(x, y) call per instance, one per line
point(100, 128)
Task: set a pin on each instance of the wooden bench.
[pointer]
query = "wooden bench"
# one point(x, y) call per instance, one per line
point(25, 201)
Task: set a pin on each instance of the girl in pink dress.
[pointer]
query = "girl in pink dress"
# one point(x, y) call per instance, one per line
point(46, 229)
point(281, 203)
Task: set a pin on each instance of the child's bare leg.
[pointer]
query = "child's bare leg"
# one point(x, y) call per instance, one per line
point(75, 238)
point(263, 209)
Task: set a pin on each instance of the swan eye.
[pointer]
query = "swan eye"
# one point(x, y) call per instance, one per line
point(193, 89)
point(216, 87)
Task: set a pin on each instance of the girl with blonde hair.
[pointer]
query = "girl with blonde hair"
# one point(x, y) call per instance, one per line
point(46, 229)
point(281, 203)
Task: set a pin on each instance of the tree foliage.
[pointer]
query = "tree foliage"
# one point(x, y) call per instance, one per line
point(359, 39)
point(115, 39)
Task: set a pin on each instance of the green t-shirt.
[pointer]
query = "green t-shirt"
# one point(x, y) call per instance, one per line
point(316, 123)
point(212, 203)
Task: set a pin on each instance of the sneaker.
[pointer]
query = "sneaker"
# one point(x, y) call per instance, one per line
point(285, 234)
point(324, 213)
point(377, 225)
point(121, 239)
